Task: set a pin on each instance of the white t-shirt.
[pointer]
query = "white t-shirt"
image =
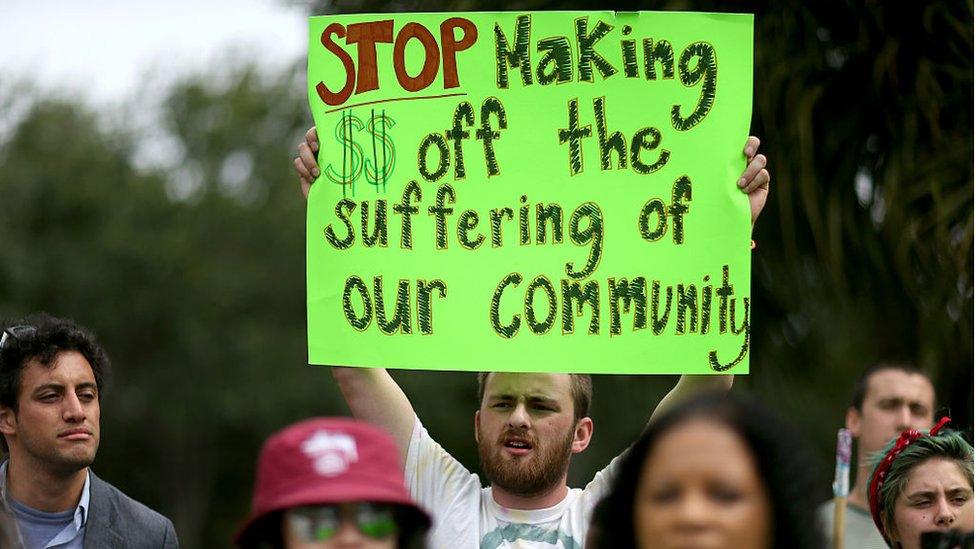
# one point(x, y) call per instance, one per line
point(465, 515)
point(859, 528)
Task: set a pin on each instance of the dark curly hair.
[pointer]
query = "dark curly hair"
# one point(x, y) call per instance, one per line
point(781, 458)
point(41, 337)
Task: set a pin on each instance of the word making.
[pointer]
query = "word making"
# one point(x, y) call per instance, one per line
point(558, 61)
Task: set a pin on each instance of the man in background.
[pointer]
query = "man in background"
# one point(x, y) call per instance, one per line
point(52, 374)
point(889, 397)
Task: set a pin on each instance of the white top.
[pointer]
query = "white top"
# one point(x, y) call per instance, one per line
point(466, 516)
point(859, 529)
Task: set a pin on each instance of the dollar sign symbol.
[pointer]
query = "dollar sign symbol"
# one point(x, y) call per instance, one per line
point(378, 171)
point(352, 153)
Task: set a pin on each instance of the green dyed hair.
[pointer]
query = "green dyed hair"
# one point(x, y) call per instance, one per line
point(947, 444)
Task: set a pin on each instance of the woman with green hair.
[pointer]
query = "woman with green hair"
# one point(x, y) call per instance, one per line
point(923, 483)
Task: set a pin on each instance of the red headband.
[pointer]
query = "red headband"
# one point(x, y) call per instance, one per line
point(874, 491)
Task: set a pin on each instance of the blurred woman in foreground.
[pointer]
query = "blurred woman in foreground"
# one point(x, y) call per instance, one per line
point(717, 472)
point(923, 483)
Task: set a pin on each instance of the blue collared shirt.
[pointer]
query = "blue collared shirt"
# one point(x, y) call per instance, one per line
point(72, 536)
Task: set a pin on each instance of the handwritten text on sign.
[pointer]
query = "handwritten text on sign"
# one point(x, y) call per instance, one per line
point(530, 192)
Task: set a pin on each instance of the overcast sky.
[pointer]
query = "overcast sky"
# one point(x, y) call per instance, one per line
point(101, 48)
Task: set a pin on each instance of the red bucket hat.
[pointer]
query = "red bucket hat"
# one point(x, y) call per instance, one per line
point(323, 461)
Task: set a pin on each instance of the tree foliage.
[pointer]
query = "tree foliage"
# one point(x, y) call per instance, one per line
point(192, 274)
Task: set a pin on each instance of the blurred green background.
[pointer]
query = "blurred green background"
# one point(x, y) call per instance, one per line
point(193, 274)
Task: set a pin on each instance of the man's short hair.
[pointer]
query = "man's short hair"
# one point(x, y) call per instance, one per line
point(581, 387)
point(900, 365)
point(42, 337)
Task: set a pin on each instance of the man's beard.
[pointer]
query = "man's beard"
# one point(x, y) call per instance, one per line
point(529, 475)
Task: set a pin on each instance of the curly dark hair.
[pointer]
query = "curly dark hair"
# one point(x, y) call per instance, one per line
point(41, 337)
point(781, 457)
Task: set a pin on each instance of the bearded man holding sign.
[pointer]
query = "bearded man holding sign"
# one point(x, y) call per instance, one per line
point(530, 419)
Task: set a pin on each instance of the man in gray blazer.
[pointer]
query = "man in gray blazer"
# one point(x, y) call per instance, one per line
point(51, 378)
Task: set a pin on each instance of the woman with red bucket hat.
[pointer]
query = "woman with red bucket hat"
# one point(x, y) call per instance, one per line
point(331, 482)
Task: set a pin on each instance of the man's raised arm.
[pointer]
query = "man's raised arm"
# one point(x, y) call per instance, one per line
point(371, 393)
point(754, 181)
point(688, 386)
point(374, 396)
point(306, 163)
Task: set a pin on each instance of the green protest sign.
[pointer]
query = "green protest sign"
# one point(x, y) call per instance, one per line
point(530, 192)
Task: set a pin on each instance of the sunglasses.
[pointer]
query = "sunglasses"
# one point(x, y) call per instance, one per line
point(14, 333)
point(322, 522)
